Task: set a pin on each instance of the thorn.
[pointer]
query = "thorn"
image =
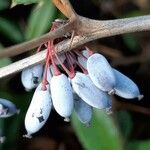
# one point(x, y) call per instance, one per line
point(90, 52)
point(39, 48)
point(71, 40)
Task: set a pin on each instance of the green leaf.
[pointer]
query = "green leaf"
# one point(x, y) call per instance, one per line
point(133, 13)
point(24, 2)
point(131, 42)
point(39, 21)
point(144, 145)
point(139, 145)
point(11, 125)
point(101, 135)
point(3, 4)
point(1, 131)
point(10, 30)
point(125, 123)
point(4, 61)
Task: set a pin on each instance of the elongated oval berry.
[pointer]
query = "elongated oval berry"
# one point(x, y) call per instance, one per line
point(7, 108)
point(125, 87)
point(88, 92)
point(62, 96)
point(83, 110)
point(38, 111)
point(30, 77)
point(83, 59)
point(101, 73)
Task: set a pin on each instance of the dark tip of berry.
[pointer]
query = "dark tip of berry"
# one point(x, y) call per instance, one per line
point(35, 80)
point(140, 97)
point(67, 119)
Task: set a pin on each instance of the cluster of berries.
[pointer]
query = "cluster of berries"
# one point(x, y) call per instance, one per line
point(73, 81)
point(66, 89)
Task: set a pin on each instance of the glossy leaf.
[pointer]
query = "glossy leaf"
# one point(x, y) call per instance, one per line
point(24, 2)
point(10, 30)
point(101, 135)
point(12, 125)
point(131, 42)
point(4, 61)
point(1, 131)
point(139, 145)
point(39, 21)
point(144, 145)
point(3, 4)
point(125, 123)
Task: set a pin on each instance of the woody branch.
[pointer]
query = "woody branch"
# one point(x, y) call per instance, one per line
point(85, 29)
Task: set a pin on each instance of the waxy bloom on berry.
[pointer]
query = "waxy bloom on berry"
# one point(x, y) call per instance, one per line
point(62, 95)
point(79, 81)
point(7, 108)
point(88, 92)
point(101, 73)
point(38, 111)
point(31, 77)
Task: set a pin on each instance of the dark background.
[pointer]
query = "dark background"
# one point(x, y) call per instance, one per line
point(129, 53)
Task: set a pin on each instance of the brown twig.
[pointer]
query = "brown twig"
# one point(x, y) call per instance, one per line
point(65, 7)
point(131, 59)
point(105, 50)
point(80, 40)
point(60, 48)
point(119, 105)
point(87, 29)
point(26, 46)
